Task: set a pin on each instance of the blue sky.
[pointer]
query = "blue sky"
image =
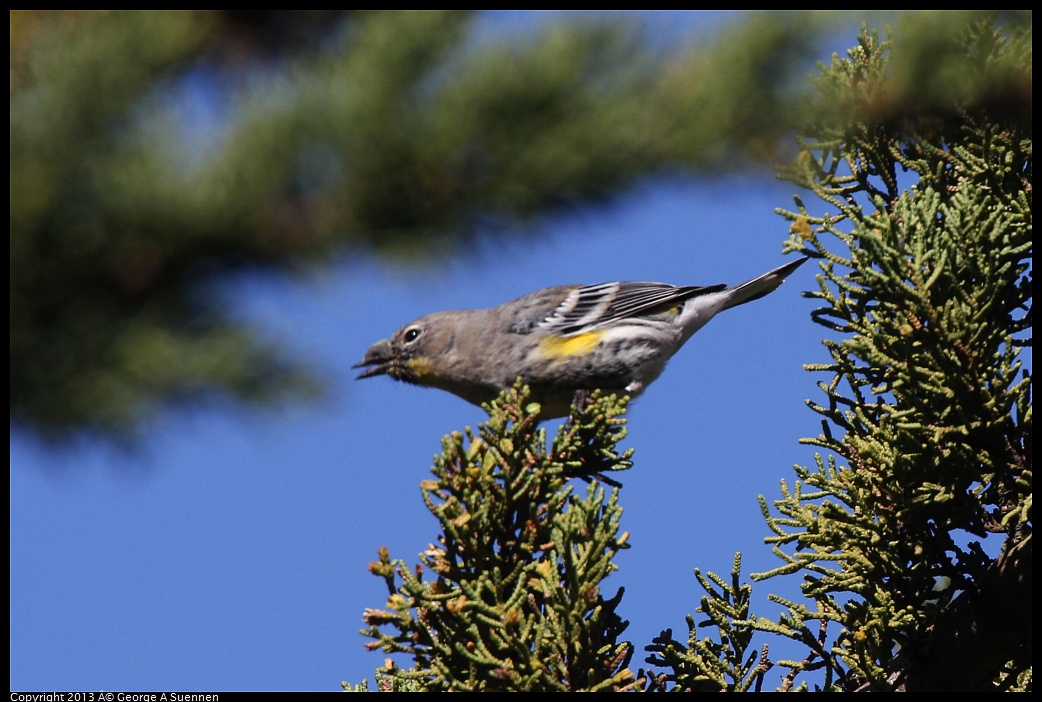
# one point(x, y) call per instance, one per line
point(230, 550)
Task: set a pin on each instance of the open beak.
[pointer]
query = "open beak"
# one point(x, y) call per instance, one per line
point(378, 360)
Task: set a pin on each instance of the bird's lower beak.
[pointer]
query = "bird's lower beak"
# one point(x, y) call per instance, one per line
point(378, 360)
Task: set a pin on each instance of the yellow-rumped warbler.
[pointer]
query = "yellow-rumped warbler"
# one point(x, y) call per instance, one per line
point(561, 340)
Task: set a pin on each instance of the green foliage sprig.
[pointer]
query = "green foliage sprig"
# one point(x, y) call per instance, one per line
point(928, 401)
point(925, 255)
point(516, 602)
point(727, 664)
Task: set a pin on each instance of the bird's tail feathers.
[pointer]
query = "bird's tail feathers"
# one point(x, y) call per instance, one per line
point(761, 285)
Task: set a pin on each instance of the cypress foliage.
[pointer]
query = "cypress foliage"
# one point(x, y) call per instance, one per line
point(513, 600)
point(912, 532)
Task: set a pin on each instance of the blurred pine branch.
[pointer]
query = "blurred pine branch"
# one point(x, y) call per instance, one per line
point(399, 133)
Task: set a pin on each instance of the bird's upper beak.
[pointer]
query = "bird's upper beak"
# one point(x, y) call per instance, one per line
point(378, 360)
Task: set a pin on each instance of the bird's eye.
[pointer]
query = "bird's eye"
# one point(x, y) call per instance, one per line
point(412, 334)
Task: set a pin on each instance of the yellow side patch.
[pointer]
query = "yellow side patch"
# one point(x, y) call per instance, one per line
point(578, 345)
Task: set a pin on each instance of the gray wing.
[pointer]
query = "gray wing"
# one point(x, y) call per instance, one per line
point(595, 305)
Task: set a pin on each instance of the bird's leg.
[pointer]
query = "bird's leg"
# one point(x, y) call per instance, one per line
point(580, 401)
